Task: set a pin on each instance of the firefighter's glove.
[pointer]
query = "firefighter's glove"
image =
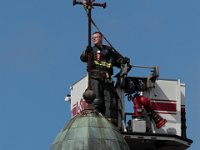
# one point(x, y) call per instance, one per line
point(126, 60)
point(88, 50)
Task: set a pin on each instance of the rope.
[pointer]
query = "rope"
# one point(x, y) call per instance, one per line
point(97, 28)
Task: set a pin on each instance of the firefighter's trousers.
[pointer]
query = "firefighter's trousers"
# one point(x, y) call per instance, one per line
point(106, 100)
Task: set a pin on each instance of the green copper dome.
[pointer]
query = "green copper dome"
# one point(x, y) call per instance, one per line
point(89, 131)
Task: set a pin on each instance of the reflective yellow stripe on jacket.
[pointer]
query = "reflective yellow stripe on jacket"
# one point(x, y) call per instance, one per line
point(103, 63)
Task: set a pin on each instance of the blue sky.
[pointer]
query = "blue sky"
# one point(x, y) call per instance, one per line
point(40, 45)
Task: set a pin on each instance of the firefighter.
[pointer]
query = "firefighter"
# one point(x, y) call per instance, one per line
point(103, 59)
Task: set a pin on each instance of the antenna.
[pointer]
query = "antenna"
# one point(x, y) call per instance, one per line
point(89, 4)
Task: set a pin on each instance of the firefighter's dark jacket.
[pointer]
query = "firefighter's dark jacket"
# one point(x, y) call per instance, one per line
point(109, 58)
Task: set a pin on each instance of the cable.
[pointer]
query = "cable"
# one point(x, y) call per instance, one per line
point(94, 24)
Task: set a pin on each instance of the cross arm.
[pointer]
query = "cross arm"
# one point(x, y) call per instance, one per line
point(75, 2)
